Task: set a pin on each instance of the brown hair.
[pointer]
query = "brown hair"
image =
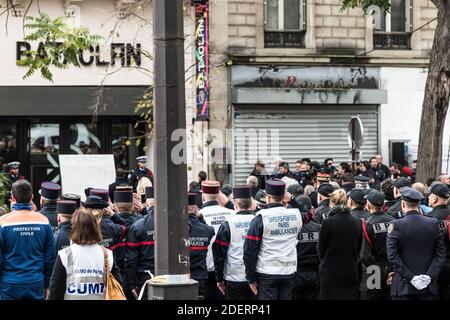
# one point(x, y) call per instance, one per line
point(85, 228)
point(338, 198)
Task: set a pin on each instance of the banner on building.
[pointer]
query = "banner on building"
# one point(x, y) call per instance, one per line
point(201, 59)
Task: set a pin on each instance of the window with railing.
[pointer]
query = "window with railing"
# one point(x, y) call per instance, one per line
point(284, 23)
point(392, 30)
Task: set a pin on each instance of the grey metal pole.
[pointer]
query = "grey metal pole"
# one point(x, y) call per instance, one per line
point(171, 229)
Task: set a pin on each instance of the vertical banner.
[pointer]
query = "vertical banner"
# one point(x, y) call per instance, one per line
point(201, 60)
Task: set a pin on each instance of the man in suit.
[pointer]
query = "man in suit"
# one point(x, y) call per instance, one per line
point(416, 251)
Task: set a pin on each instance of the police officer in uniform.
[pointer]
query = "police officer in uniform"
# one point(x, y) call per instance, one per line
point(140, 171)
point(438, 199)
point(306, 279)
point(140, 248)
point(200, 235)
point(214, 215)
point(416, 251)
point(50, 193)
point(228, 248)
point(270, 254)
point(66, 209)
point(323, 199)
point(356, 202)
point(374, 249)
point(396, 209)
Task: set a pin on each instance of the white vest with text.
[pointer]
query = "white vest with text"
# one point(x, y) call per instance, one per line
point(234, 266)
point(278, 254)
point(214, 216)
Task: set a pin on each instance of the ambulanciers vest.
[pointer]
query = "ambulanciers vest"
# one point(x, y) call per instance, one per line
point(234, 269)
point(278, 254)
point(85, 272)
point(214, 216)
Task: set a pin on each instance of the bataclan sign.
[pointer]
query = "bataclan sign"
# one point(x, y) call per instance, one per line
point(126, 52)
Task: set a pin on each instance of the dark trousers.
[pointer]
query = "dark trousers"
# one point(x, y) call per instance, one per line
point(424, 296)
point(444, 283)
point(238, 291)
point(212, 292)
point(275, 288)
point(24, 291)
point(306, 285)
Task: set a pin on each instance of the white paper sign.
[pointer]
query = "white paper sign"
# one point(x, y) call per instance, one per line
point(79, 172)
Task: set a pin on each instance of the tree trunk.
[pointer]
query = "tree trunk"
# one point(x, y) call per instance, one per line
point(436, 99)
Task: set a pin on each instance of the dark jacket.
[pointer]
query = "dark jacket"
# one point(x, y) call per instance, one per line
point(396, 210)
point(388, 204)
point(321, 213)
point(138, 174)
point(307, 255)
point(140, 250)
point(339, 248)
point(62, 235)
point(414, 247)
point(348, 187)
point(49, 210)
point(120, 251)
point(379, 176)
point(360, 214)
point(200, 235)
point(261, 179)
point(440, 212)
point(374, 247)
point(112, 233)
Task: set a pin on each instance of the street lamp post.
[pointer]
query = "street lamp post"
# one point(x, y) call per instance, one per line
point(171, 228)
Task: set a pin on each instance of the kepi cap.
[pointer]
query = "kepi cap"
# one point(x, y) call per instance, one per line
point(72, 197)
point(123, 196)
point(50, 190)
point(102, 193)
point(275, 188)
point(242, 192)
point(210, 187)
point(66, 206)
point(192, 199)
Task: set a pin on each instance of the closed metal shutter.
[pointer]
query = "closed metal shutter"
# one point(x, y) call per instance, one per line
point(315, 132)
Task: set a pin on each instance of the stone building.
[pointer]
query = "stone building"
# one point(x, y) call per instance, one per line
point(295, 71)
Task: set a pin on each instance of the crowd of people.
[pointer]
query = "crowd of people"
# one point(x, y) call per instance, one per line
point(322, 232)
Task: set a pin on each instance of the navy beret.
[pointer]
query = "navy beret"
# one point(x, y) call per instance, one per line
point(440, 190)
point(275, 188)
point(325, 189)
point(402, 182)
point(411, 195)
point(50, 190)
point(66, 207)
point(242, 192)
point(358, 195)
point(375, 197)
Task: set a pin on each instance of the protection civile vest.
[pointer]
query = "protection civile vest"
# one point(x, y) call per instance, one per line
point(214, 216)
point(234, 269)
point(278, 254)
point(85, 266)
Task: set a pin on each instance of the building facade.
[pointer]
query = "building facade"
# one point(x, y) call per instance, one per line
point(298, 70)
point(85, 110)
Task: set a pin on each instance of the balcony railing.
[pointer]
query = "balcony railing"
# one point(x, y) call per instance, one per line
point(284, 39)
point(392, 40)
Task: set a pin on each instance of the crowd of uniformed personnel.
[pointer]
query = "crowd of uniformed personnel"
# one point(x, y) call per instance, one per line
point(321, 232)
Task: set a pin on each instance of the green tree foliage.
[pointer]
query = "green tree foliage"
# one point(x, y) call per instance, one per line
point(4, 189)
point(383, 4)
point(62, 45)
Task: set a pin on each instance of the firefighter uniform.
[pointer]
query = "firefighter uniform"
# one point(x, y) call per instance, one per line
point(374, 251)
point(62, 235)
point(321, 213)
point(270, 254)
point(214, 216)
point(50, 191)
point(228, 250)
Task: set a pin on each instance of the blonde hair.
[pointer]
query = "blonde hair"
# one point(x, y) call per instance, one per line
point(142, 184)
point(419, 186)
point(97, 213)
point(309, 189)
point(338, 198)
